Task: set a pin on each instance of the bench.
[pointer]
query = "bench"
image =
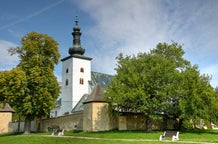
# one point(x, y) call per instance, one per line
point(56, 130)
point(173, 134)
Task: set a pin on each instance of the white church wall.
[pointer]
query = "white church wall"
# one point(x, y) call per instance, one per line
point(75, 82)
point(66, 95)
point(80, 79)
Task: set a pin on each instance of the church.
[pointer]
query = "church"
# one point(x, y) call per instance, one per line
point(78, 81)
point(81, 105)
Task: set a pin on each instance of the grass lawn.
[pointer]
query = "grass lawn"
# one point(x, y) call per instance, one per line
point(115, 137)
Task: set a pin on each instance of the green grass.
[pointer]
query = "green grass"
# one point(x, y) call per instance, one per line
point(115, 137)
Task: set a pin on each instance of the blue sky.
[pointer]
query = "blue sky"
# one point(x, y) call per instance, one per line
point(110, 27)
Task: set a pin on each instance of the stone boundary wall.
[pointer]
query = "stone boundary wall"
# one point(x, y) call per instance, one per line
point(75, 122)
point(138, 122)
point(69, 122)
point(13, 126)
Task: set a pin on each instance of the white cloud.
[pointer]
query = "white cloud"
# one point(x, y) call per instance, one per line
point(59, 77)
point(6, 61)
point(211, 70)
point(128, 27)
point(132, 26)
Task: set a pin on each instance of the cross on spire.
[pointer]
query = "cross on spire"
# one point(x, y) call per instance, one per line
point(76, 48)
point(76, 21)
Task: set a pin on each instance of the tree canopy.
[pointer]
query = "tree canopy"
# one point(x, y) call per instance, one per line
point(34, 75)
point(13, 84)
point(161, 84)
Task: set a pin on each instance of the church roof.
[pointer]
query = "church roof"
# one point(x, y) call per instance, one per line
point(79, 105)
point(96, 95)
point(6, 108)
point(76, 56)
point(100, 79)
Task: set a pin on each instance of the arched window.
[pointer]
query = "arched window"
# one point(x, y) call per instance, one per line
point(67, 70)
point(66, 82)
point(82, 69)
point(81, 81)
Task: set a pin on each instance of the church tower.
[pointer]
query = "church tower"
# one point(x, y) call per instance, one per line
point(76, 73)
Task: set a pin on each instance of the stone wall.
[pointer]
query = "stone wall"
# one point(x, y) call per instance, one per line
point(162, 125)
point(5, 119)
point(98, 118)
point(132, 122)
point(95, 117)
point(70, 122)
point(138, 122)
point(19, 126)
point(87, 121)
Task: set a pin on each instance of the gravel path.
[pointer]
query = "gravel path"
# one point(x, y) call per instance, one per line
point(143, 140)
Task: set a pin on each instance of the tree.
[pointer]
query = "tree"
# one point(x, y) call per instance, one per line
point(197, 97)
point(155, 83)
point(38, 56)
point(215, 107)
point(12, 84)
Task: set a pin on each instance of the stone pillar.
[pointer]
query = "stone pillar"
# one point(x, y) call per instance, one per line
point(5, 118)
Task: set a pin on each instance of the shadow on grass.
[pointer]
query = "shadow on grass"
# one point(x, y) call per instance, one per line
point(11, 134)
point(21, 133)
point(200, 131)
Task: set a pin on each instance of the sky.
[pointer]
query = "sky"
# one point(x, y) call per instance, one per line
point(110, 27)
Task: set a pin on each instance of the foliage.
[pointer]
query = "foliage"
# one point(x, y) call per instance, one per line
point(161, 84)
point(214, 107)
point(32, 87)
point(13, 85)
point(198, 97)
point(187, 124)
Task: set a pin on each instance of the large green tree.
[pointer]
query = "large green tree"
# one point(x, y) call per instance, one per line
point(12, 85)
point(156, 84)
point(38, 56)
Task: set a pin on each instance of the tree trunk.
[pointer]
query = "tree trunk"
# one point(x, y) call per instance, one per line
point(148, 124)
point(164, 124)
point(27, 126)
point(180, 124)
point(39, 122)
point(18, 123)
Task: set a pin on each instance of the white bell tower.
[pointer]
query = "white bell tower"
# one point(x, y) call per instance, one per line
point(76, 72)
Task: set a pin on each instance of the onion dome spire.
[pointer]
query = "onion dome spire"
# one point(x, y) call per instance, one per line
point(76, 48)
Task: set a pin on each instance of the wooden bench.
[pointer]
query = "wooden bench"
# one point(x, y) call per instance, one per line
point(173, 134)
point(56, 130)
